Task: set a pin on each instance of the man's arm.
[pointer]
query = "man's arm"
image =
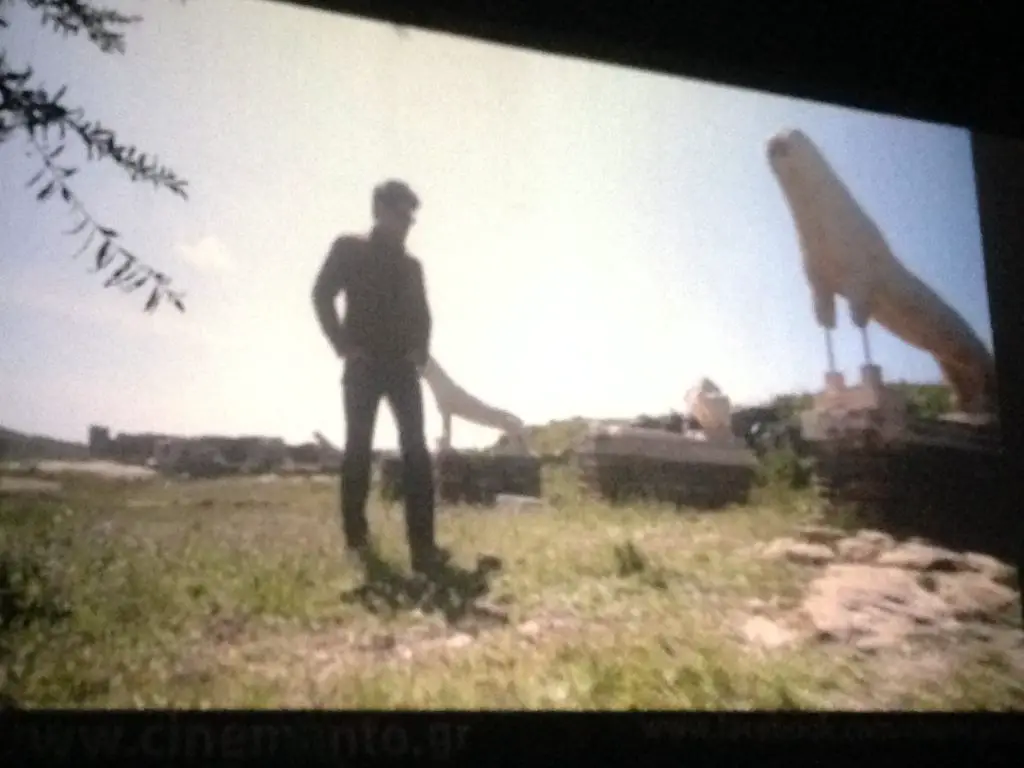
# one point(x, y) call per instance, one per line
point(330, 281)
point(421, 319)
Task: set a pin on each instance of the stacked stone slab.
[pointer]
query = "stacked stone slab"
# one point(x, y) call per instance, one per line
point(666, 467)
point(469, 477)
point(919, 473)
point(869, 450)
point(621, 479)
point(939, 477)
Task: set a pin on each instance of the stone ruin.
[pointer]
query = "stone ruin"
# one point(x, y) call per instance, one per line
point(704, 467)
point(941, 477)
point(463, 476)
point(327, 455)
point(869, 450)
point(135, 449)
point(471, 477)
point(211, 456)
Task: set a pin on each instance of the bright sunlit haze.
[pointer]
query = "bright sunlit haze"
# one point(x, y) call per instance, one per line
point(595, 239)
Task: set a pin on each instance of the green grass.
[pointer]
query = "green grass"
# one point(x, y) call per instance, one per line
point(235, 593)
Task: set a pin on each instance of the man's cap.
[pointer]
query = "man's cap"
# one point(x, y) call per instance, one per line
point(395, 193)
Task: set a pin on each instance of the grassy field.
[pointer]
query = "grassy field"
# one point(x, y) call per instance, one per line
point(235, 593)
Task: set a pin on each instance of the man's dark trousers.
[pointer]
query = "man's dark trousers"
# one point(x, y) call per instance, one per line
point(364, 382)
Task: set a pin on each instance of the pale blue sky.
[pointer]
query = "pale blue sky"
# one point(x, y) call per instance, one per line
point(596, 239)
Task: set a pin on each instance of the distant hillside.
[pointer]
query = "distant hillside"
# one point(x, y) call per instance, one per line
point(17, 446)
point(924, 401)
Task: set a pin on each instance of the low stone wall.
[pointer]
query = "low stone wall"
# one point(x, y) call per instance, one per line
point(622, 479)
point(469, 478)
point(951, 495)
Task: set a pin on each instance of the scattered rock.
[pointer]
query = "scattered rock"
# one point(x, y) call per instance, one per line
point(918, 556)
point(985, 633)
point(810, 554)
point(995, 569)
point(880, 539)
point(777, 549)
point(858, 550)
point(756, 606)
point(559, 692)
point(850, 602)
point(871, 644)
point(915, 555)
point(797, 551)
point(879, 599)
point(765, 633)
point(820, 534)
point(928, 582)
point(529, 628)
point(460, 640)
point(974, 596)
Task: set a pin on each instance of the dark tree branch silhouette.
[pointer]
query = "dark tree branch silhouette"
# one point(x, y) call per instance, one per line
point(29, 110)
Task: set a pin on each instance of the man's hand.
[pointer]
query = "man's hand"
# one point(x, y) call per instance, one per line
point(418, 358)
point(343, 346)
point(331, 280)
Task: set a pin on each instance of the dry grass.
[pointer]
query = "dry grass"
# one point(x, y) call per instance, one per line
point(235, 593)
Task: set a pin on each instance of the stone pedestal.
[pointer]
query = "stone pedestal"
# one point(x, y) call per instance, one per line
point(869, 410)
point(871, 377)
point(469, 478)
point(835, 381)
point(635, 464)
point(625, 479)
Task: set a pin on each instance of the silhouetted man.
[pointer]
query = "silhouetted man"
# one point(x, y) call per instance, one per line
point(384, 341)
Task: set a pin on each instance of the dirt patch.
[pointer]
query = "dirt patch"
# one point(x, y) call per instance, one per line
point(335, 650)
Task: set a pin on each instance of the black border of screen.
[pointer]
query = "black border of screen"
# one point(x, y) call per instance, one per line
point(940, 62)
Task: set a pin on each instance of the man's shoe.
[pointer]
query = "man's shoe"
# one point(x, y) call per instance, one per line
point(430, 560)
point(358, 554)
